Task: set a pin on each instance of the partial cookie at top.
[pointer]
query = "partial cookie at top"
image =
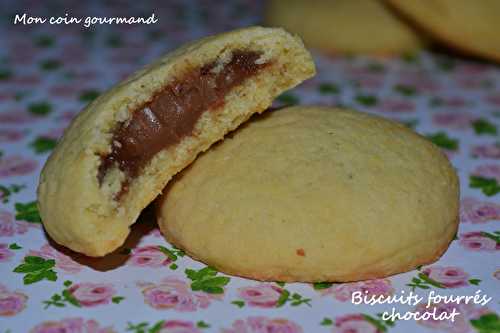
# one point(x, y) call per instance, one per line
point(314, 194)
point(344, 26)
point(470, 26)
point(123, 148)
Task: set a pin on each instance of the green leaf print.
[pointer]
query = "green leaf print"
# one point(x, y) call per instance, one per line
point(202, 324)
point(43, 144)
point(117, 299)
point(288, 99)
point(238, 303)
point(326, 322)
point(482, 126)
point(5, 74)
point(294, 299)
point(322, 285)
point(430, 281)
point(50, 64)
point(410, 58)
point(494, 236)
point(442, 140)
point(405, 90)
point(379, 324)
point(89, 95)
point(367, 100)
point(489, 186)
point(144, 327)
point(488, 323)
point(206, 280)
point(27, 212)
point(15, 246)
point(446, 64)
point(172, 255)
point(44, 41)
point(7, 190)
point(40, 108)
point(114, 41)
point(36, 269)
point(328, 89)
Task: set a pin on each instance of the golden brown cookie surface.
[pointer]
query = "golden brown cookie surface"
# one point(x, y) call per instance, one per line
point(470, 26)
point(344, 26)
point(119, 153)
point(314, 194)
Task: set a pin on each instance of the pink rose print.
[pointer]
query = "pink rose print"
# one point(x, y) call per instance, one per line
point(15, 117)
point(471, 69)
point(10, 135)
point(179, 326)
point(421, 82)
point(63, 262)
point(461, 322)
point(174, 293)
point(488, 171)
point(453, 120)
point(354, 323)
point(395, 105)
point(71, 325)
point(16, 165)
point(494, 99)
point(475, 211)
point(473, 82)
point(263, 325)
point(10, 227)
point(486, 151)
point(64, 90)
point(92, 294)
point(447, 276)
point(344, 291)
point(370, 82)
point(5, 253)
point(66, 117)
point(476, 241)
point(262, 295)
point(454, 102)
point(26, 81)
point(148, 256)
point(55, 133)
point(11, 303)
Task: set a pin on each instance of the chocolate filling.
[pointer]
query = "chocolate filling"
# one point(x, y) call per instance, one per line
point(172, 114)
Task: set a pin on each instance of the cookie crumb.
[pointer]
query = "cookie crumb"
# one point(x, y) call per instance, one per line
point(301, 252)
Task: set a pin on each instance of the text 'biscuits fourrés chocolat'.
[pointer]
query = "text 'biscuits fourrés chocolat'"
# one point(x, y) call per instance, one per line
point(123, 148)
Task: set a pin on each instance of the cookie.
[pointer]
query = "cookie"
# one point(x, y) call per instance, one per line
point(470, 26)
point(122, 149)
point(344, 26)
point(314, 194)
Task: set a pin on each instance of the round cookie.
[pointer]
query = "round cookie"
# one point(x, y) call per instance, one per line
point(470, 26)
point(123, 148)
point(344, 26)
point(314, 194)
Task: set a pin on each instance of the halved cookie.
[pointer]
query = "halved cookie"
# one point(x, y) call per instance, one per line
point(120, 152)
point(314, 194)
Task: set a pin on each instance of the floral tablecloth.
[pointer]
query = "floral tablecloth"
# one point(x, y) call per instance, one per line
point(49, 72)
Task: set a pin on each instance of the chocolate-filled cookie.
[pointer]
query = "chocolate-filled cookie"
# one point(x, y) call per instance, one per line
point(123, 148)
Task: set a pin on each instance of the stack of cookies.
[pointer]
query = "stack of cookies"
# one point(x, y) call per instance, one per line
point(296, 194)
